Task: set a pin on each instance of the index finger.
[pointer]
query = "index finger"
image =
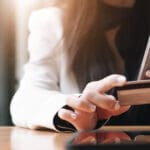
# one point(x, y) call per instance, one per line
point(110, 82)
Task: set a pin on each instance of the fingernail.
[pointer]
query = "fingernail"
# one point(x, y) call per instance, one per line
point(121, 79)
point(112, 97)
point(92, 107)
point(117, 106)
point(148, 73)
point(117, 140)
point(93, 140)
point(73, 115)
point(90, 140)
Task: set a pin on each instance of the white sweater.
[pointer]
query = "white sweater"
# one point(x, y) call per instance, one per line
point(46, 82)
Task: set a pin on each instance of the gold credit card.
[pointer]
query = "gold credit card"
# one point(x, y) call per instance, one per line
point(134, 93)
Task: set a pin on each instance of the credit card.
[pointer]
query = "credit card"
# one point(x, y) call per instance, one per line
point(134, 93)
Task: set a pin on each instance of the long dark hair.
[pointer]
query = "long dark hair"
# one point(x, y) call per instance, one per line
point(89, 55)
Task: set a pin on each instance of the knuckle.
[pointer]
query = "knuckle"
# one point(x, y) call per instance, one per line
point(61, 113)
point(89, 95)
point(80, 104)
point(111, 97)
point(112, 78)
point(74, 102)
point(90, 85)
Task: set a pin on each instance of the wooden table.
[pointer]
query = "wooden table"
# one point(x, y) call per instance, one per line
point(14, 138)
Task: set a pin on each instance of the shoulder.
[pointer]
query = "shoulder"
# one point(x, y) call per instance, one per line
point(45, 27)
point(46, 20)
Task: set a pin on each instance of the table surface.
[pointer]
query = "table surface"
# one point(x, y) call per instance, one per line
point(15, 138)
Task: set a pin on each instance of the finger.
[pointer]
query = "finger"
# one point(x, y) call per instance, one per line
point(110, 82)
point(80, 120)
point(77, 103)
point(86, 138)
point(107, 102)
point(148, 73)
point(67, 115)
point(105, 114)
point(122, 109)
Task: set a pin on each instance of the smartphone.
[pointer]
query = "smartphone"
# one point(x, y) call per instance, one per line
point(145, 65)
point(137, 92)
point(109, 140)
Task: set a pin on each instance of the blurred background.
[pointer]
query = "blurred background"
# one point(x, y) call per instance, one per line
point(14, 16)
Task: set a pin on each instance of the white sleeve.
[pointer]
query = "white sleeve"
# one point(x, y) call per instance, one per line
point(38, 97)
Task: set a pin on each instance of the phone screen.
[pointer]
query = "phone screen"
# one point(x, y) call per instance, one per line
point(107, 140)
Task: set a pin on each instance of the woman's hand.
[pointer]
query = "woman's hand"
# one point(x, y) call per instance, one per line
point(148, 73)
point(107, 105)
point(84, 116)
point(94, 103)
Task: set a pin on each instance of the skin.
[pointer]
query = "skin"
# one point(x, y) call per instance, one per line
point(94, 104)
point(147, 73)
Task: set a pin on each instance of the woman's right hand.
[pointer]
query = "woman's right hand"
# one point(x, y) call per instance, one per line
point(94, 100)
point(107, 105)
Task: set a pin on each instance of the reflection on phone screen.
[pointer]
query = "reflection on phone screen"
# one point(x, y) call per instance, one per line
point(105, 139)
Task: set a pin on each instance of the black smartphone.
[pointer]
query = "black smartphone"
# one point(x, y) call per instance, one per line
point(109, 140)
point(145, 65)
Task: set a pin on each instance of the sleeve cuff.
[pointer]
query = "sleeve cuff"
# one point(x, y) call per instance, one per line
point(62, 125)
